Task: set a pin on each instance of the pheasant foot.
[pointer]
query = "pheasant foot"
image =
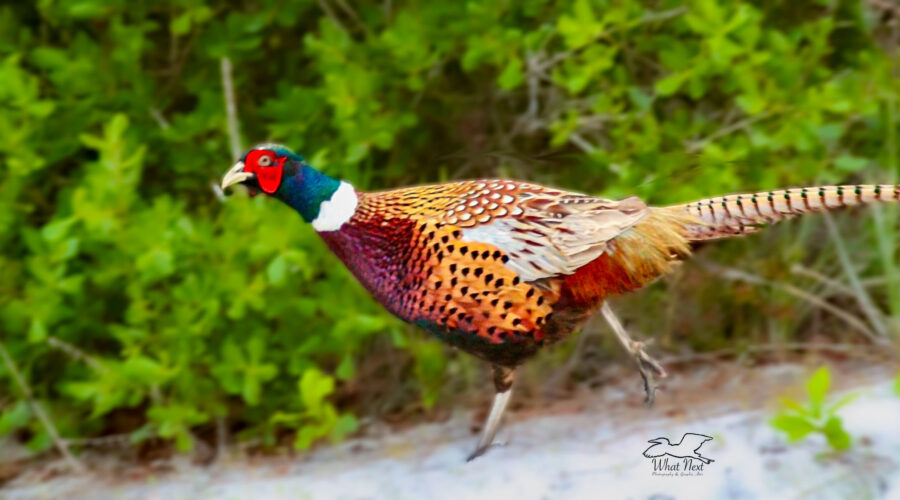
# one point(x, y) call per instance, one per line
point(649, 368)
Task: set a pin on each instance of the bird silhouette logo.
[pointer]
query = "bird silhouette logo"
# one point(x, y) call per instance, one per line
point(688, 447)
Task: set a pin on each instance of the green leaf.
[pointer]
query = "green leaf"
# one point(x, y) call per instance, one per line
point(255, 376)
point(290, 419)
point(40, 441)
point(834, 431)
point(581, 27)
point(37, 332)
point(346, 369)
point(324, 424)
point(398, 338)
point(243, 371)
point(55, 230)
point(639, 98)
point(86, 9)
point(251, 390)
point(844, 401)
point(850, 163)
point(796, 427)
point(346, 424)
point(175, 421)
point(357, 151)
point(897, 385)
point(306, 436)
point(793, 405)
point(277, 270)
point(670, 84)
point(817, 387)
point(15, 417)
point(156, 264)
point(512, 75)
point(143, 433)
point(181, 24)
point(314, 386)
point(751, 103)
point(145, 370)
point(65, 250)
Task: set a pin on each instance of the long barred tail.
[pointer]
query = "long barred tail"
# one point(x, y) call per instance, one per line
point(744, 213)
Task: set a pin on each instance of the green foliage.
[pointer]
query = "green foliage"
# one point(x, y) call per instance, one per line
point(897, 385)
point(798, 421)
point(184, 309)
point(15, 417)
point(318, 418)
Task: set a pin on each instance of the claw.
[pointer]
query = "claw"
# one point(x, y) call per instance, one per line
point(649, 369)
point(478, 452)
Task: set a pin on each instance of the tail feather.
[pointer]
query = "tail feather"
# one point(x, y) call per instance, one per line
point(735, 214)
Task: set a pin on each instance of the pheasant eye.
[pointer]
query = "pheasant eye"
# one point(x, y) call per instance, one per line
point(264, 161)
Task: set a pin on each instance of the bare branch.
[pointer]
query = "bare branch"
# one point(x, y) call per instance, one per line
point(852, 321)
point(75, 353)
point(159, 118)
point(123, 439)
point(353, 15)
point(217, 191)
point(221, 438)
point(582, 143)
point(234, 126)
point(533, 86)
point(38, 410)
point(696, 146)
point(825, 280)
point(331, 16)
point(865, 301)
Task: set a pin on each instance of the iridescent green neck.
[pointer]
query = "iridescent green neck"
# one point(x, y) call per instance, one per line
point(305, 188)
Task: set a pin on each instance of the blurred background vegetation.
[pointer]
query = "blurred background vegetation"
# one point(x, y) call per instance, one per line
point(137, 301)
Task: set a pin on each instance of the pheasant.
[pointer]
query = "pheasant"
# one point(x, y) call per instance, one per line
point(501, 268)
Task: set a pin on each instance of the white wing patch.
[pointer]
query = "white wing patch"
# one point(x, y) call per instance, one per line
point(557, 237)
point(529, 261)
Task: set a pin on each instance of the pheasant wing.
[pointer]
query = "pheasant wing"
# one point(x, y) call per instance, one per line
point(551, 233)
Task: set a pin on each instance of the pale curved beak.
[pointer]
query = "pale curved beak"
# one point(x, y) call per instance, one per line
point(235, 175)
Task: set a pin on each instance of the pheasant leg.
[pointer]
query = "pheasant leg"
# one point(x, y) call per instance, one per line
point(503, 380)
point(649, 367)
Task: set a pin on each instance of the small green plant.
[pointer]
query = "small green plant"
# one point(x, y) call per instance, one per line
point(797, 420)
point(318, 418)
point(897, 385)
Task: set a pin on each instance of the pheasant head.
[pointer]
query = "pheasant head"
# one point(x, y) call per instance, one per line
point(279, 172)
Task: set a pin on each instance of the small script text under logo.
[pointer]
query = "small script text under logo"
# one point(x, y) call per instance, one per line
point(678, 459)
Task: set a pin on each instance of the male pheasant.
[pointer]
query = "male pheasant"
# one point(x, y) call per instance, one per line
point(501, 268)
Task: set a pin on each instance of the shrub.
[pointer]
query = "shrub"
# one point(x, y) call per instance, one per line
point(127, 285)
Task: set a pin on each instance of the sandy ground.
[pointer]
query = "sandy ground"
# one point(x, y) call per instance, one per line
point(591, 448)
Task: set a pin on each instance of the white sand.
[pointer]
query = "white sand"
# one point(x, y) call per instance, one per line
point(581, 454)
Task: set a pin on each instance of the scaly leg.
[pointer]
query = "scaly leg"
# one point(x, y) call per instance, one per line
point(503, 380)
point(648, 366)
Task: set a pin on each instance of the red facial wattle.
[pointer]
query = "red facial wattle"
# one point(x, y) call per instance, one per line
point(268, 176)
